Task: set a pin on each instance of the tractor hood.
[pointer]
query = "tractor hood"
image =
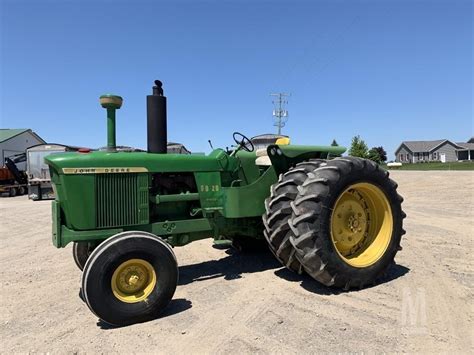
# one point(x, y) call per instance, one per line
point(135, 162)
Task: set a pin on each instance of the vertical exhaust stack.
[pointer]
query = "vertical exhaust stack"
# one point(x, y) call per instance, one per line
point(156, 120)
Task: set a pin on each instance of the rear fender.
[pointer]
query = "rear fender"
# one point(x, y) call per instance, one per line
point(283, 157)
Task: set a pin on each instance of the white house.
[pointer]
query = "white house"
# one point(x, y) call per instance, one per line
point(442, 150)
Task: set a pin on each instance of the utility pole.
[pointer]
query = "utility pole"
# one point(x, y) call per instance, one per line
point(279, 112)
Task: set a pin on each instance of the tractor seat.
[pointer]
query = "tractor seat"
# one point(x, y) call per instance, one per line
point(262, 157)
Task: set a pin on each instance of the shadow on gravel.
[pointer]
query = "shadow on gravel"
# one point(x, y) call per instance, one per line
point(237, 263)
point(394, 272)
point(230, 267)
point(176, 306)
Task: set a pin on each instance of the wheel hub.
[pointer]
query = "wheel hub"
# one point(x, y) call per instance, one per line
point(351, 222)
point(361, 224)
point(133, 280)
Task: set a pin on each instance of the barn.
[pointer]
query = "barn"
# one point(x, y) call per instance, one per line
point(16, 141)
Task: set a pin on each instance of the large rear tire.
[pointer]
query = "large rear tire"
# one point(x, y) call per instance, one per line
point(130, 278)
point(278, 211)
point(347, 223)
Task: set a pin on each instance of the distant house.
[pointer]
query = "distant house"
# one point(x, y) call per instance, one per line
point(15, 141)
point(442, 150)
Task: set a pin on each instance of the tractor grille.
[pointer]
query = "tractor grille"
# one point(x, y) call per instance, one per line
point(121, 200)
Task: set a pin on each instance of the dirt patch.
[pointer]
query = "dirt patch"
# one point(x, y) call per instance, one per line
point(247, 303)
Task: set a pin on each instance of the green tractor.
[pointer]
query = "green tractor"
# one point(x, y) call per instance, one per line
point(339, 220)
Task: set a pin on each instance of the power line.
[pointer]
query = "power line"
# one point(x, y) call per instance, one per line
point(279, 112)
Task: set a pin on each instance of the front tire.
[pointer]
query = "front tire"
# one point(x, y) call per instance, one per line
point(81, 252)
point(347, 223)
point(130, 278)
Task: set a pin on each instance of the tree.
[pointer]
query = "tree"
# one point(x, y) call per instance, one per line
point(358, 148)
point(374, 155)
point(383, 154)
point(334, 144)
point(378, 154)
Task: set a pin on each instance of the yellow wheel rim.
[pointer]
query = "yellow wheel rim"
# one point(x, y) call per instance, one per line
point(133, 281)
point(361, 224)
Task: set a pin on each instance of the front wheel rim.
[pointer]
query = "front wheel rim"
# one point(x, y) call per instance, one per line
point(361, 224)
point(133, 281)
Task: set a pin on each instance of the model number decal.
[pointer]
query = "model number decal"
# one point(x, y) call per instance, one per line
point(103, 170)
point(207, 188)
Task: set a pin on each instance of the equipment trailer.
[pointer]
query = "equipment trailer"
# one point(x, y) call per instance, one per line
point(39, 180)
point(13, 181)
point(338, 220)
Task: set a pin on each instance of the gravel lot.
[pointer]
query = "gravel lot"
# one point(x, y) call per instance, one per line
point(240, 303)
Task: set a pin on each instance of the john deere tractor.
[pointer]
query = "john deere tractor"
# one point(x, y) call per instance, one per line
point(339, 220)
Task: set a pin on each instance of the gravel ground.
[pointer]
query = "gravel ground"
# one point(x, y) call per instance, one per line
point(246, 303)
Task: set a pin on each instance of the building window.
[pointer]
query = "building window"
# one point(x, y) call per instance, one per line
point(435, 156)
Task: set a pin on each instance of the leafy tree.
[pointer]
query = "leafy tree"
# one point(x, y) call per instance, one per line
point(382, 154)
point(358, 148)
point(374, 155)
point(378, 154)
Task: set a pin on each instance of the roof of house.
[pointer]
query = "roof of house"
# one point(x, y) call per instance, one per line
point(427, 146)
point(422, 146)
point(469, 146)
point(7, 133)
point(471, 140)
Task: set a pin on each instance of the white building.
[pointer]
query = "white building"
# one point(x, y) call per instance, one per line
point(15, 141)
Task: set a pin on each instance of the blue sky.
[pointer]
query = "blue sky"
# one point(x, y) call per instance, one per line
point(387, 70)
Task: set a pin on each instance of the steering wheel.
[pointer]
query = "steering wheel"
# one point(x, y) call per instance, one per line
point(243, 142)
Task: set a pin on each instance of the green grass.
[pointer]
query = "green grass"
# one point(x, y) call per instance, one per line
point(436, 166)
